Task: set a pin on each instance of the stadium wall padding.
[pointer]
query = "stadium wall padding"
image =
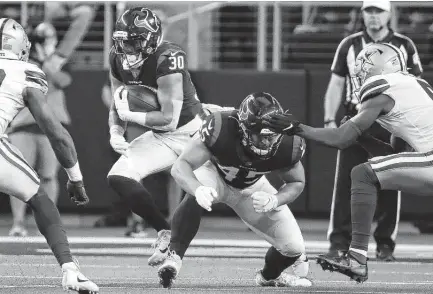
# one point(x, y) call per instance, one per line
point(301, 91)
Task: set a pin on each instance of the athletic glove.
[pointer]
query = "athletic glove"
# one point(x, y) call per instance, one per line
point(205, 196)
point(117, 140)
point(77, 193)
point(282, 123)
point(121, 102)
point(264, 202)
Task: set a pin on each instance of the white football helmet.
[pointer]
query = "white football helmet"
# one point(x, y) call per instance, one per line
point(14, 42)
point(378, 59)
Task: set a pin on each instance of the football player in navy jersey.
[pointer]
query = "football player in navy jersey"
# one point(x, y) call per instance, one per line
point(141, 57)
point(227, 164)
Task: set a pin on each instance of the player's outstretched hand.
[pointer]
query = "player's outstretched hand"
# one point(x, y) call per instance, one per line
point(282, 123)
point(77, 192)
point(264, 202)
point(205, 196)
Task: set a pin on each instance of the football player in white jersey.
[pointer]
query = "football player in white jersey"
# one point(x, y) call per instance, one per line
point(24, 84)
point(402, 104)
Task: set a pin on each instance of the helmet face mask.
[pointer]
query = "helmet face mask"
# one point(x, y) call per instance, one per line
point(256, 139)
point(137, 35)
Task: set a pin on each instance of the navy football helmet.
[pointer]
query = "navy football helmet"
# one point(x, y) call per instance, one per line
point(255, 137)
point(137, 34)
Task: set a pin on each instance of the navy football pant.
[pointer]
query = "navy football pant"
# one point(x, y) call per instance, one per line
point(388, 206)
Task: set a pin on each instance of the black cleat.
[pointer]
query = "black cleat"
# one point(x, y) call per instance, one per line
point(169, 270)
point(345, 265)
point(166, 277)
point(384, 253)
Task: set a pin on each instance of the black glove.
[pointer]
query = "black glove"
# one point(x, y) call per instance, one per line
point(282, 123)
point(77, 192)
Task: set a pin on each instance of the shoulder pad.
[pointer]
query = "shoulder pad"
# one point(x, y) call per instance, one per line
point(373, 87)
point(210, 129)
point(36, 78)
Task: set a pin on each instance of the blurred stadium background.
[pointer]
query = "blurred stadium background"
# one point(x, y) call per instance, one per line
point(285, 48)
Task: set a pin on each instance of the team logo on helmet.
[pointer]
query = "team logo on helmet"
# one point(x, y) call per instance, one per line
point(149, 23)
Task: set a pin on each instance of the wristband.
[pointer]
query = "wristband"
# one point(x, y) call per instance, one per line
point(74, 173)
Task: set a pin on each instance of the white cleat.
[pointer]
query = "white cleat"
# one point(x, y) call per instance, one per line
point(284, 280)
point(74, 280)
point(169, 270)
point(301, 266)
point(161, 248)
point(18, 231)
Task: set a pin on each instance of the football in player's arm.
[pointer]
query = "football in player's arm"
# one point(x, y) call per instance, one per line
point(197, 153)
point(170, 97)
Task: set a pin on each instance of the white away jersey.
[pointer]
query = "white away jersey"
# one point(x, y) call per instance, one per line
point(412, 116)
point(15, 76)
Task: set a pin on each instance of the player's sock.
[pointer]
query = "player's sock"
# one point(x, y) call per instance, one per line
point(140, 201)
point(365, 186)
point(47, 219)
point(276, 263)
point(184, 224)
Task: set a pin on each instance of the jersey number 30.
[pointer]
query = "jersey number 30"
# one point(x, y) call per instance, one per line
point(176, 62)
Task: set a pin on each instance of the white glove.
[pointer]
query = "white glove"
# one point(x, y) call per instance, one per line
point(205, 196)
point(264, 202)
point(117, 140)
point(121, 102)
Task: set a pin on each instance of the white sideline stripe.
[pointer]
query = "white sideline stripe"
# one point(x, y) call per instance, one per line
point(140, 280)
point(214, 289)
point(197, 242)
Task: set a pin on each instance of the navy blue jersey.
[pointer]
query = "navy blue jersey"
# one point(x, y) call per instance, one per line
point(169, 58)
point(220, 133)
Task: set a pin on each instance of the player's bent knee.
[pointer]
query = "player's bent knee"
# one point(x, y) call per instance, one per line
point(363, 173)
point(123, 169)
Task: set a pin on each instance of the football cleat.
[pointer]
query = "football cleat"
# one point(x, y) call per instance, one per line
point(74, 280)
point(18, 231)
point(136, 230)
point(169, 270)
point(384, 253)
point(301, 266)
point(283, 280)
point(345, 265)
point(161, 248)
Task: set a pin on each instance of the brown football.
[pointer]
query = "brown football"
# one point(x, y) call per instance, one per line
point(142, 98)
